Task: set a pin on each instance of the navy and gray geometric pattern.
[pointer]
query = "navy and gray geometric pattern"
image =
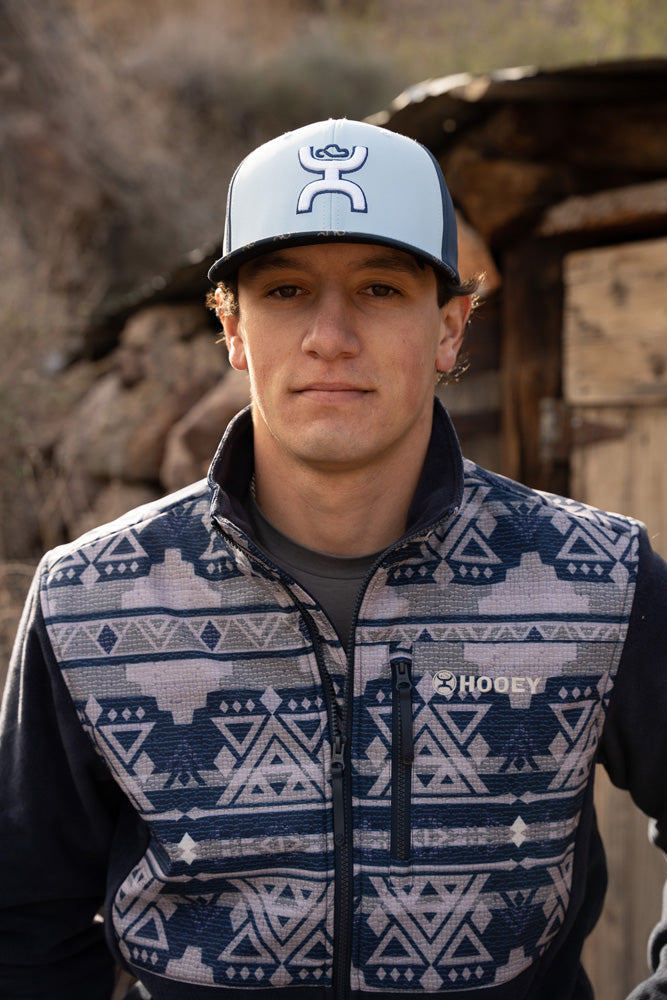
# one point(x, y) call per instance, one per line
point(198, 685)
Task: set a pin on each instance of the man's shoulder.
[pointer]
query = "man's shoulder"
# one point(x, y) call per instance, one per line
point(514, 498)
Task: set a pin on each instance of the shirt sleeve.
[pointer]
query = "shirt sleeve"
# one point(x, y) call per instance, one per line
point(633, 748)
point(57, 815)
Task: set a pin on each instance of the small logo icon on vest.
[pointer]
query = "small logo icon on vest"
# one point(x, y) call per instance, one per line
point(332, 161)
point(444, 683)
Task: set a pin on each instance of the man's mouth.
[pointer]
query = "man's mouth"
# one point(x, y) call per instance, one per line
point(332, 392)
point(343, 387)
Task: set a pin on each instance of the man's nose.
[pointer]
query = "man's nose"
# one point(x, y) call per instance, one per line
point(331, 330)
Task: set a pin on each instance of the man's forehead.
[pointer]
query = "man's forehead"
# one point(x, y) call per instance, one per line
point(352, 255)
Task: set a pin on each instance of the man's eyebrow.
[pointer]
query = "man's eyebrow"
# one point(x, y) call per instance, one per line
point(270, 262)
point(390, 260)
point(394, 260)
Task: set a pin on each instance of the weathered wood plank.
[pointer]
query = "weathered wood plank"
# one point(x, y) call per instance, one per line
point(615, 954)
point(474, 394)
point(627, 474)
point(531, 358)
point(615, 324)
point(499, 194)
point(482, 343)
point(638, 205)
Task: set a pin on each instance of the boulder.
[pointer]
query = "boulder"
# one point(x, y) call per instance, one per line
point(167, 360)
point(192, 442)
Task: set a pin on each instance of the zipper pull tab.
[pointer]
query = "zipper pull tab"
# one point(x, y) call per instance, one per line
point(337, 772)
point(403, 685)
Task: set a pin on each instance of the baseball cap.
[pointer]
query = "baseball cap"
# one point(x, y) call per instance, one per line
point(339, 180)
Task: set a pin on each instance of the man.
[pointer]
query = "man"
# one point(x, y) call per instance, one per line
point(326, 726)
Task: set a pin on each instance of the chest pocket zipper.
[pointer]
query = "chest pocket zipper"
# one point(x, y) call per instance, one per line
point(402, 759)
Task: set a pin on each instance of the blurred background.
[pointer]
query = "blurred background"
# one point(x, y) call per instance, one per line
point(121, 125)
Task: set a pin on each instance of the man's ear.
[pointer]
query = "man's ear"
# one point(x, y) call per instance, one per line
point(454, 319)
point(231, 327)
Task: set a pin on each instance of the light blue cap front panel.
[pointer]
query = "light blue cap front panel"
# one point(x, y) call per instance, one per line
point(339, 180)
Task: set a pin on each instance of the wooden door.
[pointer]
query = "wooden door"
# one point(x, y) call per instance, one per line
point(615, 392)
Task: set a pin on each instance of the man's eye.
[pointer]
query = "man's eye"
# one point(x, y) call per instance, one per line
point(285, 291)
point(381, 291)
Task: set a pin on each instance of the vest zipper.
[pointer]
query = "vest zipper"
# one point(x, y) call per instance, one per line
point(337, 790)
point(342, 821)
point(403, 754)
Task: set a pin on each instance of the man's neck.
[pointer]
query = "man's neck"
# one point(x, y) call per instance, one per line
point(342, 514)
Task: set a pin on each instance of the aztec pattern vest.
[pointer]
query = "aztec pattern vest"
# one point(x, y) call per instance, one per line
point(404, 823)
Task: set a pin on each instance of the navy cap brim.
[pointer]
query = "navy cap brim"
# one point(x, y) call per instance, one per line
point(227, 267)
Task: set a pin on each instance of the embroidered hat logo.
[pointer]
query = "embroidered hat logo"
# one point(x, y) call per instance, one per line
point(332, 161)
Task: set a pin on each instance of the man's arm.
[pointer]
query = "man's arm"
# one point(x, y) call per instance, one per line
point(633, 748)
point(57, 808)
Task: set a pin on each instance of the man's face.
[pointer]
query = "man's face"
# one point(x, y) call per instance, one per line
point(342, 343)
